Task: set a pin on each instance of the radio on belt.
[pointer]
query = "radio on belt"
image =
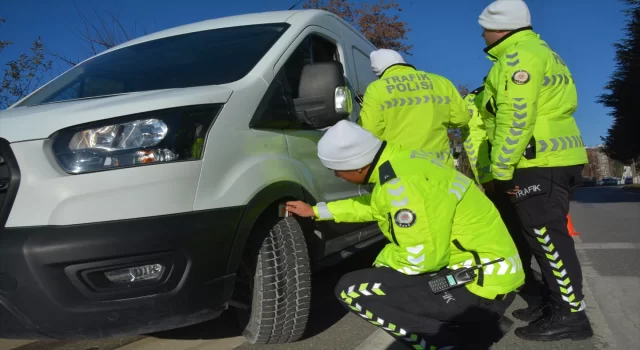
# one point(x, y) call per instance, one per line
point(457, 277)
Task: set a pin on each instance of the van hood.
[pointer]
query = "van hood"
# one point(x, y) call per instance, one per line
point(39, 122)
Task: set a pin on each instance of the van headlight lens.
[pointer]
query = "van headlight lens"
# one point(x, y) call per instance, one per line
point(148, 138)
point(135, 134)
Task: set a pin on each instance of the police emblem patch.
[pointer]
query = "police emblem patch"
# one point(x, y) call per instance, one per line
point(520, 77)
point(405, 218)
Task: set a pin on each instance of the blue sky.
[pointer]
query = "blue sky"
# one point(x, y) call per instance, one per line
point(446, 36)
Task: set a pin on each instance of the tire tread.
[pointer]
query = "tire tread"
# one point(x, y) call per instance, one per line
point(282, 295)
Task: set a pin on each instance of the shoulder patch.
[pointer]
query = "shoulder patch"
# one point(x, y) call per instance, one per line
point(405, 218)
point(386, 173)
point(520, 77)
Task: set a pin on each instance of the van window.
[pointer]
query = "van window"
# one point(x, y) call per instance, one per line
point(209, 57)
point(314, 49)
point(276, 108)
point(364, 73)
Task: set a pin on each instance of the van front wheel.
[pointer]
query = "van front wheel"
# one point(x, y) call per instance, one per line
point(277, 280)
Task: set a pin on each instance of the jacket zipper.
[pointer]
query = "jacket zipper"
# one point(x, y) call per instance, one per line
point(391, 230)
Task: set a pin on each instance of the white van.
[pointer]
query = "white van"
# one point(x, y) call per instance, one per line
point(141, 190)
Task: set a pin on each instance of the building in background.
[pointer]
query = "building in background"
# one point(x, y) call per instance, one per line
point(601, 166)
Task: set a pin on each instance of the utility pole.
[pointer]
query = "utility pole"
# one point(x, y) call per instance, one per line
point(634, 172)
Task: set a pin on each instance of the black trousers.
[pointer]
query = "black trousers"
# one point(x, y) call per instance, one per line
point(406, 308)
point(542, 206)
point(507, 210)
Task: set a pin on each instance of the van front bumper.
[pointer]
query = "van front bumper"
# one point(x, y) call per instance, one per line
point(52, 281)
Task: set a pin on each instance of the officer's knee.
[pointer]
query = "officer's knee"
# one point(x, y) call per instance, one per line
point(342, 287)
point(353, 279)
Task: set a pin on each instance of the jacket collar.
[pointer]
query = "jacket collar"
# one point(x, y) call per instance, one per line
point(499, 47)
point(384, 153)
point(396, 67)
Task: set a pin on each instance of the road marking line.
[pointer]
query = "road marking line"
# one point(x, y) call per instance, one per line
point(602, 333)
point(590, 246)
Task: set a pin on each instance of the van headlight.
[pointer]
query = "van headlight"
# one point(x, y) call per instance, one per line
point(148, 138)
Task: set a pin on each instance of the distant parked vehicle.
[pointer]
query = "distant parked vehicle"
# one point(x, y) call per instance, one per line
point(609, 181)
point(628, 180)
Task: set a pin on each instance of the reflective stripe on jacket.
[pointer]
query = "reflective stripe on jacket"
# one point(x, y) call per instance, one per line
point(434, 217)
point(532, 97)
point(475, 139)
point(414, 109)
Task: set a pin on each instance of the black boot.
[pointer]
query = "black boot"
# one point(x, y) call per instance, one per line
point(533, 312)
point(557, 324)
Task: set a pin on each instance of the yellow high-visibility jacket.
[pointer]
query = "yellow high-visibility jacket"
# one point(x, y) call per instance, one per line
point(433, 217)
point(530, 97)
point(475, 138)
point(414, 109)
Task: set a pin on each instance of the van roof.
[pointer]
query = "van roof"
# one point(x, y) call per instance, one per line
point(230, 21)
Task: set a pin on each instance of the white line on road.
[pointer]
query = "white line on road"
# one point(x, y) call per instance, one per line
point(601, 329)
point(590, 246)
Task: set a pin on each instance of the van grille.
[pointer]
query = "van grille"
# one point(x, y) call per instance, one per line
point(9, 180)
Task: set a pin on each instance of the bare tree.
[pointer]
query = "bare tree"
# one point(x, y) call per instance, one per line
point(23, 74)
point(4, 43)
point(375, 21)
point(463, 89)
point(105, 32)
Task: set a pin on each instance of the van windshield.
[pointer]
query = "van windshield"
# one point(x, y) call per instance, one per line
point(210, 57)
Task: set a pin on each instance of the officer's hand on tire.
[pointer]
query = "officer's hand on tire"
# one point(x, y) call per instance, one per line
point(301, 208)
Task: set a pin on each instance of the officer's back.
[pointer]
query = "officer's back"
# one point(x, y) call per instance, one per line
point(410, 107)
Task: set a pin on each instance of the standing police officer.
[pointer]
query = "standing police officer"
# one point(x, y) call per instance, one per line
point(411, 108)
point(537, 154)
point(476, 144)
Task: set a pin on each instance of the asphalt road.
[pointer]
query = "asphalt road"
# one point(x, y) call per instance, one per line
point(607, 218)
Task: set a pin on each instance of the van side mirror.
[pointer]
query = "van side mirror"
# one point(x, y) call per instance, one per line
point(324, 97)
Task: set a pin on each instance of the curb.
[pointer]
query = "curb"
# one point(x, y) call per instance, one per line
point(631, 189)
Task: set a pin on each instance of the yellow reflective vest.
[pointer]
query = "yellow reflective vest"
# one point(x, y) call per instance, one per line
point(530, 96)
point(475, 138)
point(434, 217)
point(414, 109)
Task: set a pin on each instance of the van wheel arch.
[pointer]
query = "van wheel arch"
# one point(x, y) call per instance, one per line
point(266, 200)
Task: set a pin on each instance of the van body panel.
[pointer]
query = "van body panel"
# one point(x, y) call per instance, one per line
point(196, 216)
point(41, 121)
point(48, 196)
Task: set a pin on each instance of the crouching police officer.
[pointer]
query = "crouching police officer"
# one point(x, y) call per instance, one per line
point(437, 222)
point(410, 107)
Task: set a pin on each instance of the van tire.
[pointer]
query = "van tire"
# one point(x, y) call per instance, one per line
point(281, 288)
